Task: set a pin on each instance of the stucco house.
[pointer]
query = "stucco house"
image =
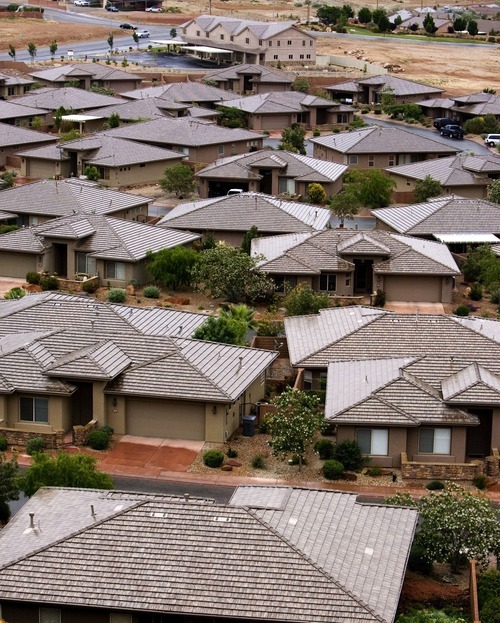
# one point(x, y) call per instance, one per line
point(229, 218)
point(476, 105)
point(16, 114)
point(12, 86)
point(310, 556)
point(463, 174)
point(249, 41)
point(35, 203)
point(427, 386)
point(190, 93)
point(345, 262)
point(68, 360)
point(14, 139)
point(119, 162)
point(379, 148)
point(270, 172)
point(115, 249)
point(369, 90)
point(275, 111)
point(88, 75)
point(251, 79)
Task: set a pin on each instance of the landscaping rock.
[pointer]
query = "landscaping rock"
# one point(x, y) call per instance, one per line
point(233, 463)
point(350, 476)
point(130, 290)
point(226, 468)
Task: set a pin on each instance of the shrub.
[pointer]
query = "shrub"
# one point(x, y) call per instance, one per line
point(316, 193)
point(98, 440)
point(495, 297)
point(90, 286)
point(435, 485)
point(3, 444)
point(491, 611)
point(258, 462)
point(264, 426)
point(151, 292)
point(4, 512)
point(49, 283)
point(476, 291)
point(33, 277)
point(417, 560)
point(480, 481)
point(296, 459)
point(232, 454)
point(488, 586)
point(35, 444)
point(379, 300)
point(213, 458)
point(109, 430)
point(316, 132)
point(117, 295)
point(374, 471)
point(349, 454)
point(332, 470)
point(14, 293)
point(324, 447)
point(462, 310)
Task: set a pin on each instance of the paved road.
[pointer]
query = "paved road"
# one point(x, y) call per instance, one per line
point(426, 41)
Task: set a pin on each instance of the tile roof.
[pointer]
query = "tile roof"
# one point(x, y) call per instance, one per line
point(278, 102)
point(69, 97)
point(12, 136)
point(382, 140)
point(65, 73)
point(133, 110)
point(478, 104)
point(11, 110)
point(473, 384)
point(443, 215)
point(263, 74)
point(319, 559)
point(102, 361)
point(53, 152)
point(263, 30)
point(67, 197)
point(399, 86)
point(187, 92)
point(8, 80)
point(241, 212)
point(438, 102)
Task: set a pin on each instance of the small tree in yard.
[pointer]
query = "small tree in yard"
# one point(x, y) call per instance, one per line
point(472, 28)
point(427, 188)
point(32, 50)
point(494, 192)
point(173, 33)
point(292, 139)
point(9, 489)
point(110, 41)
point(179, 179)
point(303, 300)
point(296, 422)
point(316, 193)
point(136, 38)
point(12, 52)
point(222, 329)
point(172, 267)
point(345, 205)
point(429, 24)
point(301, 84)
point(53, 49)
point(246, 243)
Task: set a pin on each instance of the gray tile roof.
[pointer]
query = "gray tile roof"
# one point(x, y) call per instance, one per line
point(331, 250)
point(187, 92)
point(67, 197)
point(380, 140)
point(478, 104)
point(241, 212)
point(11, 110)
point(65, 73)
point(400, 86)
point(12, 136)
point(263, 74)
point(280, 102)
point(133, 110)
point(78, 335)
point(323, 558)
point(443, 215)
point(473, 384)
point(69, 97)
point(7, 80)
point(5, 216)
point(160, 320)
point(54, 153)
point(438, 102)
point(233, 25)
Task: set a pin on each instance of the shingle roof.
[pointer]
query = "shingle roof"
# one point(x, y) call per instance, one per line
point(68, 97)
point(316, 560)
point(11, 135)
point(382, 140)
point(102, 361)
point(67, 197)
point(263, 30)
point(241, 212)
point(263, 74)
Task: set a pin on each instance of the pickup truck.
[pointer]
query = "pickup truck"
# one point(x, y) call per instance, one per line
point(454, 131)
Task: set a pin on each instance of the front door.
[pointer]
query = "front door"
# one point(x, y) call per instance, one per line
point(479, 437)
point(60, 258)
point(81, 404)
point(363, 276)
point(266, 183)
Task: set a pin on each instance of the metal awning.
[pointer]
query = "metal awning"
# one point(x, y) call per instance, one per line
point(167, 42)
point(206, 48)
point(81, 118)
point(467, 238)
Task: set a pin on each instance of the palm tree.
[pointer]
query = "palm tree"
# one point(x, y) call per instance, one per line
point(242, 313)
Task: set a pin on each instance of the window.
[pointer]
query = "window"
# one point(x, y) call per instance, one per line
point(434, 440)
point(391, 160)
point(222, 37)
point(284, 282)
point(278, 43)
point(290, 57)
point(303, 44)
point(308, 56)
point(86, 264)
point(374, 441)
point(342, 117)
point(118, 617)
point(50, 615)
point(221, 149)
point(231, 38)
point(289, 42)
point(34, 409)
point(270, 44)
point(247, 40)
point(207, 35)
point(103, 173)
point(275, 57)
point(10, 91)
point(115, 270)
point(301, 56)
point(260, 41)
point(347, 281)
point(352, 159)
point(286, 185)
point(197, 33)
point(143, 164)
point(310, 43)
point(371, 161)
point(328, 282)
point(308, 379)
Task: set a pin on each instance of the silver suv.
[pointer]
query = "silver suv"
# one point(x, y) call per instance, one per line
point(492, 139)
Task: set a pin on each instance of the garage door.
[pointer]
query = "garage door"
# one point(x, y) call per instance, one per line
point(275, 122)
point(413, 289)
point(174, 420)
point(17, 264)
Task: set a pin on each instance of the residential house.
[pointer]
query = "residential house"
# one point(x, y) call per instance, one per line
point(35, 203)
point(438, 107)
point(119, 162)
point(379, 148)
point(251, 79)
point(423, 386)
point(11, 86)
point(229, 218)
point(456, 221)
point(115, 249)
point(275, 111)
point(14, 139)
point(66, 361)
point(416, 22)
point(369, 90)
point(88, 75)
point(198, 140)
point(15, 114)
point(465, 175)
point(265, 171)
point(192, 93)
point(346, 262)
point(316, 555)
point(477, 105)
point(248, 41)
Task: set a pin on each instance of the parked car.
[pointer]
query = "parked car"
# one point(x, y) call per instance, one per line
point(143, 34)
point(492, 139)
point(440, 122)
point(82, 3)
point(128, 27)
point(113, 8)
point(154, 9)
point(454, 131)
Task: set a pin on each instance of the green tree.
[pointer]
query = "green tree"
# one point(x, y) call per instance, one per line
point(242, 313)
point(344, 205)
point(114, 120)
point(246, 243)
point(459, 25)
point(379, 17)
point(364, 15)
point(427, 188)
point(387, 98)
point(63, 470)
point(91, 173)
point(231, 117)
point(53, 48)
point(172, 267)
point(32, 50)
point(347, 11)
point(472, 28)
point(12, 52)
point(303, 300)
point(316, 194)
point(110, 41)
point(292, 139)
point(96, 88)
point(429, 24)
point(494, 192)
point(173, 33)
point(224, 330)
point(369, 188)
point(295, 424)
point(179, 179)
point(58, 115)
point(8, 178)
point(136, 38)
point(15, 293)
point(9, 487)
point(230, 273)
point(328, 14)
point(301, 84)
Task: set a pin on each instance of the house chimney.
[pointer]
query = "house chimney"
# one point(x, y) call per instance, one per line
point(186, 497)
point(32, 521)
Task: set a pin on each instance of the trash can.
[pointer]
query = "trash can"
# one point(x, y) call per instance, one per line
point(249, 425)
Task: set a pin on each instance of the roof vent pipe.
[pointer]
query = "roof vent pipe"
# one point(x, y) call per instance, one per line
point(32, 521)
point(186, 497)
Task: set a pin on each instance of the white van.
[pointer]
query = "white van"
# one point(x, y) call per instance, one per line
point(492, 139)
point(234, 191)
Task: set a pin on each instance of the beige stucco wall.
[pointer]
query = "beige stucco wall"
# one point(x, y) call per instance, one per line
point(457, 454)
point(405, 186)
point(45, 169)
point(17, 264)
point(397, 444)
point(495, 429)
point(132, 174)
point(209, 153)
point(369, 161)
point(59, 414)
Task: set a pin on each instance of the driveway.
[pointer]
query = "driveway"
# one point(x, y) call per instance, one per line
point(402, 307)
point(7, 283)
point(150, 456)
